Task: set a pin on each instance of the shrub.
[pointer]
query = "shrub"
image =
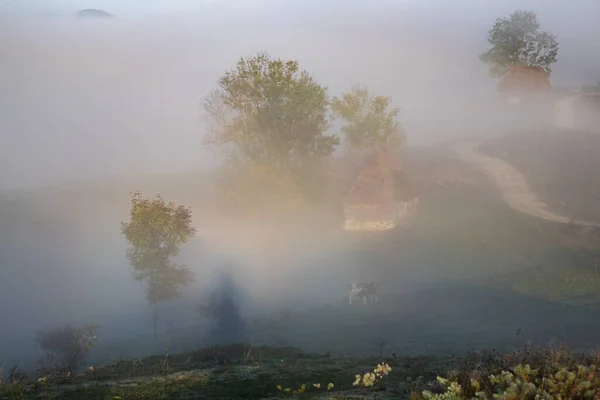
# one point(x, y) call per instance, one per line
point(14, 386)
point(66, 347)
point(546, 374)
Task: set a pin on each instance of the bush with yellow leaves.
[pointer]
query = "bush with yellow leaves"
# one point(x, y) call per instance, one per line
point(370, 378)
point(549, 371)
point(367, 380)
point(525, 383)
point(304, 387)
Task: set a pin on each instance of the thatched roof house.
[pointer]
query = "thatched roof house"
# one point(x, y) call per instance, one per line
point(379, 194)
point(524, 80)
point(379, 180)
point(529, 97)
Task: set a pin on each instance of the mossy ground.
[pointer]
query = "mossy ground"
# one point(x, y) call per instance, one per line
point(245, 372)
point(232, 372)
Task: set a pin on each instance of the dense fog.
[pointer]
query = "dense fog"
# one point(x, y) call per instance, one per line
point(89, 105)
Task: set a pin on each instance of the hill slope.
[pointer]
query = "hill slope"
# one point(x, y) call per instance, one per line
point(561, 167)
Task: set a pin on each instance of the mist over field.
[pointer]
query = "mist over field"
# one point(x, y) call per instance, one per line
point(77, 90)
point(93, 109)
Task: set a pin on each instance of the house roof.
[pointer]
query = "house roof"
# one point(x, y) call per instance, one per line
point(521, 78)
point(378, 179)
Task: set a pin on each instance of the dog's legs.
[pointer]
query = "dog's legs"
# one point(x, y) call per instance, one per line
point(365, 301)
point(350, 299)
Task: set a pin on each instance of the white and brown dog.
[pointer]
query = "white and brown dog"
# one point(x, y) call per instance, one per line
point(364, 290)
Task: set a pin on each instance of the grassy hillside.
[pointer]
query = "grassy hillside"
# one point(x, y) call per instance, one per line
point(233, 372)
point(486, 269)
point(562, 167)
point(245, 372)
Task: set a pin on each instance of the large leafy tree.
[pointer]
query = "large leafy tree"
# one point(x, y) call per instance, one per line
point(270, 115)
point(155, 231)
point(370, 121)
point(517, 40)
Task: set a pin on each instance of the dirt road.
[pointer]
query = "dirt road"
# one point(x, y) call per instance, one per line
point(512, 184)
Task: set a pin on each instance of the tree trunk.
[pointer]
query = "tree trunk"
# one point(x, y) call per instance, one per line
point(155, 322)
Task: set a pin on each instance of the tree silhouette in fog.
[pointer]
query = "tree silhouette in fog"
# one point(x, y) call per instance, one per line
point(223, 309)
point(66, 347)
point(155, 231)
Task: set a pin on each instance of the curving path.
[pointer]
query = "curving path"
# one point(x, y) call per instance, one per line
point(512, 184)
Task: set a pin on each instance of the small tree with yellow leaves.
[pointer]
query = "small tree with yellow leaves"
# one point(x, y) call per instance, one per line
point(370, 121)
point(155, 231)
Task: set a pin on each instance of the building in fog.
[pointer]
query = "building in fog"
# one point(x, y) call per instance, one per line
point(523, 84)
point(380, 194)
point(528, 96)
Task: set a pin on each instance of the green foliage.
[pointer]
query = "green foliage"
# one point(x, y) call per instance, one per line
point(218, 372)
point(155, 231)
point(14, 387)
point(232, 372)
point(270, 112)
point(12, 391)
point(453, 391)
point(270, 118)
point(526, 384)
point(66, 347)
point(517, 40)
point(370, 123)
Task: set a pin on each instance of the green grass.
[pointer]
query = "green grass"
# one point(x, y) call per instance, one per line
point(234, 372)
point(561, 167)
point(231, 372)
point(555, 283)
point(465, 230)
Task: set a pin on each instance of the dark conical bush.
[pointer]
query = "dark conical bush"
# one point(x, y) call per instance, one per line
point(223, 309)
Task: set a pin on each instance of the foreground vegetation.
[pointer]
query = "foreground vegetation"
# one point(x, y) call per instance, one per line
point(245, 372)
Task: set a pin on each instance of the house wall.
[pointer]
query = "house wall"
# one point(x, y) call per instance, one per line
point(371, 217)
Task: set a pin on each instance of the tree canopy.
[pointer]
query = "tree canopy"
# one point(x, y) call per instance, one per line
point(370, 122)
point(154, 232)
point(517, 40)
point(270, 118)
point(270, 112)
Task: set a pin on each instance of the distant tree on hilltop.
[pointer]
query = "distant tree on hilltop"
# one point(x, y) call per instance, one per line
point(517, 40)
point(93, 13)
